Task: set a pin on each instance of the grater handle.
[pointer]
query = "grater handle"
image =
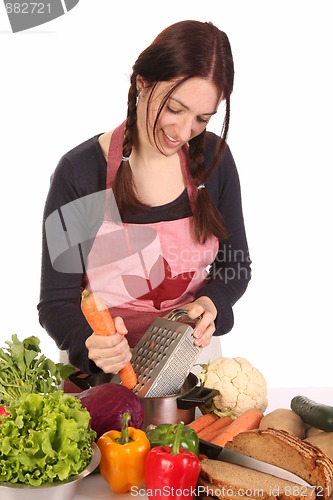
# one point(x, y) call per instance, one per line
point(177, 314)
point(196, 396)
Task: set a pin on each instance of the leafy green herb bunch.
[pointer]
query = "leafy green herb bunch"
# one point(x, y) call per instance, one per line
point(24, 369)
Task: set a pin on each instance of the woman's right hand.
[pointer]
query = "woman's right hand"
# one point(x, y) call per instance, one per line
point(110, 353)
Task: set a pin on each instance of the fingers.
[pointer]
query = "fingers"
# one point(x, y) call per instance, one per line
point(204, 309)
point(203, 336)
point(205, 327)
point(110, 353)
point(204, 330)
point(120, 325)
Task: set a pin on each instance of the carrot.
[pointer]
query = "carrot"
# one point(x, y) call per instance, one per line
point(212, 435)
point(100, 320)
point(247, 421)
point(215, 428)
point(202, 422)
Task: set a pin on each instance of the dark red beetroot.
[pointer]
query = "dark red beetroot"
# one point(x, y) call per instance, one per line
point(106, 404)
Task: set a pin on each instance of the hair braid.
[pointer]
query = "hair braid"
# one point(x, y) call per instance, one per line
point(205, 214)
point(197, 158)
point(130, 119)
point(123, 187)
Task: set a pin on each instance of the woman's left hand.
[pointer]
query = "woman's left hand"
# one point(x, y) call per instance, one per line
point(202, 307)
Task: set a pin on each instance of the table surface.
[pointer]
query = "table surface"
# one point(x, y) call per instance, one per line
point(94, 487)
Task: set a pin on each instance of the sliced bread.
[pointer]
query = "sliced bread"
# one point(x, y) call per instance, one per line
point(234, 482)
point(280, 448)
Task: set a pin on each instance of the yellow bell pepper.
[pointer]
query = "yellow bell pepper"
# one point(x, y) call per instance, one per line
point(123, 456)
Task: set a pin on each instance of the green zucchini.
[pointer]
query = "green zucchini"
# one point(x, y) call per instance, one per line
point(312, 413)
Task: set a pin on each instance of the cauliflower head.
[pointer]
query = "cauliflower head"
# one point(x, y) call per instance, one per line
point(241, 385)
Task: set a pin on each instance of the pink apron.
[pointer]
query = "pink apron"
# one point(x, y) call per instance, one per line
point(143, 271)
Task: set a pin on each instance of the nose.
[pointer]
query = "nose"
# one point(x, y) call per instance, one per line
point(185, 128)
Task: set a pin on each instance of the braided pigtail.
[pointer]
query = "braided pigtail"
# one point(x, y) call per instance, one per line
point(131, 118)
point(123, 187)
point(207, 220)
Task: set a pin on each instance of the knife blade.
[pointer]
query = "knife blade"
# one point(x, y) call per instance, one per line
point(235, 457)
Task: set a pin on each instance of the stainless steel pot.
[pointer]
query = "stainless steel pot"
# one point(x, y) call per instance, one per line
point(177, 407)
point(164, 409)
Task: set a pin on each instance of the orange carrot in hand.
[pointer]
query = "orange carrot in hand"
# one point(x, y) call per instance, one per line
point(100, 320)
point(97, 314)
point(215, 428)
point(202, 422)
point(247, 421)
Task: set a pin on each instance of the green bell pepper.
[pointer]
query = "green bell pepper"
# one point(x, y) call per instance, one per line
point(164, 435)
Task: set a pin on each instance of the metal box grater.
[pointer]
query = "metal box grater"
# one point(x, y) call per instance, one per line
point(164, 356)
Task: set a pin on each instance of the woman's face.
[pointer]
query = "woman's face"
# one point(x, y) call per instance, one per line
point(185, 115)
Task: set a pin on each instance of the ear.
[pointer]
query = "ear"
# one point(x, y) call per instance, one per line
point(140, 83)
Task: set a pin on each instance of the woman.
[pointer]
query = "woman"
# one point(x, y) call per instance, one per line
point(149, 215)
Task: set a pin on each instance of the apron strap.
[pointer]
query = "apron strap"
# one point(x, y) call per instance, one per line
point(115, 154)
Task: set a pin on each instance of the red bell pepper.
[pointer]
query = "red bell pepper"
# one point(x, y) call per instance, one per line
point(171, 471)
point(3, 411)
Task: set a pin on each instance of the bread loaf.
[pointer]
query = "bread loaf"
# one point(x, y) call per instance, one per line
point(279, 448)
point(224, 480)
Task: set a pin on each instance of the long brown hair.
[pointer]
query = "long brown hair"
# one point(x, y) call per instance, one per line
point(182, 51)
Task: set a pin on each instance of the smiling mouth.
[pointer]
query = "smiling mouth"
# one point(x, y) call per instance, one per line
point(171, 138)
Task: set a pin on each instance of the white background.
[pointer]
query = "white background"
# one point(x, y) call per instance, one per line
point(67, 80)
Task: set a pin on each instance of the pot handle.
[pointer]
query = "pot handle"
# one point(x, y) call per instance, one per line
point(81, 380)
point(84, 381)
point(196, 396)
